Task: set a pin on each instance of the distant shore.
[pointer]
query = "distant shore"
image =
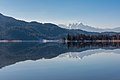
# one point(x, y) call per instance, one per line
point(107, 40)
point(113, 41)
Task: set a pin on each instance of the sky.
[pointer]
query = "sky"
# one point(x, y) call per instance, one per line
point(96, 13)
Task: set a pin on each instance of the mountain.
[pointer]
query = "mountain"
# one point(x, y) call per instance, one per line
point(88, 28)
point(114, 29)
point(11, 28)
point(82, 27)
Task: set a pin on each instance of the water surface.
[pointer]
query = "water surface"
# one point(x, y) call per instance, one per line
point(57, 61)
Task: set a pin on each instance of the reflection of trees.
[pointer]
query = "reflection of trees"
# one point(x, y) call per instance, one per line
point(91, 38)
point(93, 44)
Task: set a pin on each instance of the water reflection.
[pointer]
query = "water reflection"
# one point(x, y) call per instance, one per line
point(108, 45)
point(62, 61)
point(11, 53)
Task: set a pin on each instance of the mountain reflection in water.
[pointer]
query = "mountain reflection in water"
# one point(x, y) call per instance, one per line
point(11, 53)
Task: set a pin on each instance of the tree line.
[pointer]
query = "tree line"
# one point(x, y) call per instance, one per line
point(88, 37)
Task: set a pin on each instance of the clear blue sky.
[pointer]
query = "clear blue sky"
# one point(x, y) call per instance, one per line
point(97, 13)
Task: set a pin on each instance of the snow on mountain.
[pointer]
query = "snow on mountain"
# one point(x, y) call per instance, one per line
point(88, 28)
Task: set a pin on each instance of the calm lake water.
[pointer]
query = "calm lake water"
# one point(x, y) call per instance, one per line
point(58, 61)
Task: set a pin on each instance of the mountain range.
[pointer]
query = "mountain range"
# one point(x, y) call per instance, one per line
point(88, 28)
point(13, 29)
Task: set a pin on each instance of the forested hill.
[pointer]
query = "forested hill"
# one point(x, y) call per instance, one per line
point(13, 29)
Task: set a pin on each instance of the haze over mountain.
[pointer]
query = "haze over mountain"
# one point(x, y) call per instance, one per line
point(88, 28)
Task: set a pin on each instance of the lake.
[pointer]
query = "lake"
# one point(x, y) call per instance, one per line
point(59, 61)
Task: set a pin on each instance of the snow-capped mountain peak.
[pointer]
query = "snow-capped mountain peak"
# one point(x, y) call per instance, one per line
point(80, 26)
point(88, 28)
